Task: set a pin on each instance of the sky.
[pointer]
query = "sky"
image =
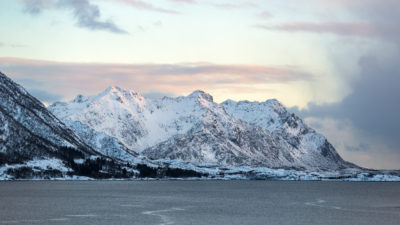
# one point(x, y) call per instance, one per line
point(334, 63)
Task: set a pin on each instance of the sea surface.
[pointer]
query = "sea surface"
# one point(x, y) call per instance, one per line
point(199, 202)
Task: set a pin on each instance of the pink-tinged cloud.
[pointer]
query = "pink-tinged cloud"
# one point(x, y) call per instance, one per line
point(347, 3)
point(184, 1)
point(266, 15)
point(338, 28)
point(144, 5)
point(71, 78)
point(234, 5)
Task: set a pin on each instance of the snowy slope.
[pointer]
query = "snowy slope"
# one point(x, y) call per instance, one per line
point(27, 126)
point(103, 143)
point(36, 144)
point(214, 136)
point(29, 133)
point(293, 135)
point(196, 129)
point(141, 124)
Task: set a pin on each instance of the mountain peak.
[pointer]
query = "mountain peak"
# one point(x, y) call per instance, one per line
point(113, 89)
point(80, 98)
point(6, 81)
point(201, 95)
point(229, 102)
point(273, 101)
point(2, 75)
point(276, 105)
point(119, 94)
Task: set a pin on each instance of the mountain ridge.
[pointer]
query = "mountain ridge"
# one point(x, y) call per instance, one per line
point(158, 126)
point(35, 143)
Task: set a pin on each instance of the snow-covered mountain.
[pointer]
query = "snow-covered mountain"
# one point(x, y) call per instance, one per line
point(195, 129)
point(293, 135)
point(34, 143)
point(27, 128)
point(114, 134)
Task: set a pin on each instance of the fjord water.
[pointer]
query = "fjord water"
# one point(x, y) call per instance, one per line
point(199, 202)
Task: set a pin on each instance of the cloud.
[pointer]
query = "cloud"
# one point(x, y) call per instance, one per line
point(35, 88)
point(373, 106)
point(12, 45)
point(364, 18)
point(17, 46)
point(354, 146)
point(357, 29)
point(87, 14)
point(71, 78)
point(184, 1)
point(45, 96)
point(158, 23)
point(339, 28)
point(37, 6)
point(364, 126)
point(28, 82)
point(158, 94)
point(234, 5)
point(144, 5)
point(372, 109)
point(266, 15)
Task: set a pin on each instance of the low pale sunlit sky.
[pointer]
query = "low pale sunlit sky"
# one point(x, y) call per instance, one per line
point(335, 63)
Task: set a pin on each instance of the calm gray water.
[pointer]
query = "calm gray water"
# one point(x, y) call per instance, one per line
point(199, 202)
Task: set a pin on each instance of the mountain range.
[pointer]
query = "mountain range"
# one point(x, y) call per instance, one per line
point(121, 134)
point(196, 129)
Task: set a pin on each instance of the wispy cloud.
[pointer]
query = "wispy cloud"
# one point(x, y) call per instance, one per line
point(45, 96)
point(339, 28)
point(12, 45)
point(37, 6)
point(184, 1)
point(230, 5)
point(366, 18)
point(266, 15)
point(87, 15)
point(157, 94)
point(172, 78)
point(144, 5)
